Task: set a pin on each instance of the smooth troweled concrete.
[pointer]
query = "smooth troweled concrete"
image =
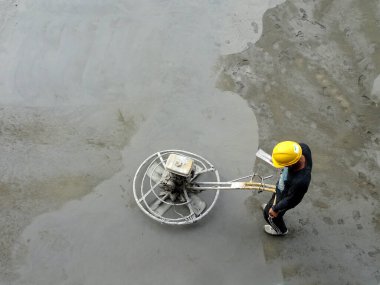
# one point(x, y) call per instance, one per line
point(89, 89)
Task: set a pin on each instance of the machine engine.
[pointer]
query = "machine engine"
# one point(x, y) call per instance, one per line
point(179, 169)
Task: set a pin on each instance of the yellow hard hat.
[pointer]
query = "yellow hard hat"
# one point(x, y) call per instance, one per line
point(286, 153)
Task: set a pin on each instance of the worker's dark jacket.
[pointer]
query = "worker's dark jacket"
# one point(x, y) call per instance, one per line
point(296, 185)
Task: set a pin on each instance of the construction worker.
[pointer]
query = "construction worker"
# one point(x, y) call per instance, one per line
point(296, 163)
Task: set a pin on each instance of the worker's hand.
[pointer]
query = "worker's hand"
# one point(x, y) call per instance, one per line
point(272, 213)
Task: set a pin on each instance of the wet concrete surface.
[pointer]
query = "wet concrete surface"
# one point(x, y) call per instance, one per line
point(312, 77)
point(90, 89)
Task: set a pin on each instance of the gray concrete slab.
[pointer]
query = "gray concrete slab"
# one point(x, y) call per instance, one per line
point(89, 89)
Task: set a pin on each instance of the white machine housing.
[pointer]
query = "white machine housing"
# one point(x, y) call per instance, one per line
point(180, 165)
point(178, 170)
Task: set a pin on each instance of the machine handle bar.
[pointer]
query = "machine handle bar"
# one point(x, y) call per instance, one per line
point(201, 186)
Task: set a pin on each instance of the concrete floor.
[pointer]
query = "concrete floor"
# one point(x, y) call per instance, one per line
point(89, 89)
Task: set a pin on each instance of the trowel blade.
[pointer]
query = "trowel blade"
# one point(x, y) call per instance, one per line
point(197, 204)
point(162, 209)
point(158, 202)
point(155, 172)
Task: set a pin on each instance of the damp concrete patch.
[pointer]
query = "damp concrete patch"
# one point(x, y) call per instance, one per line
point(312, 77)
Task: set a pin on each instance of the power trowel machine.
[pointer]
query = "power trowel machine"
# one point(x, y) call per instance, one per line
point(178, 187)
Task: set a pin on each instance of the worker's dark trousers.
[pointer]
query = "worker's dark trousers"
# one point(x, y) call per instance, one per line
point(277, 223)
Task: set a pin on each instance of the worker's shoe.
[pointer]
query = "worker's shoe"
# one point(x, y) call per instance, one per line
point(269, 230)
point(263, 206)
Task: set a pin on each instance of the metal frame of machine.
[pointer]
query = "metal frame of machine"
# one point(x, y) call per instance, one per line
point(172, 186)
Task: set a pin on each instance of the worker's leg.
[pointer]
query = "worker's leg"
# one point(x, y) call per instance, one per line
point(267, 207)
point(277, 223)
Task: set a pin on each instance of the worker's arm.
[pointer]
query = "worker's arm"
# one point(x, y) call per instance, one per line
point(293, 197)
